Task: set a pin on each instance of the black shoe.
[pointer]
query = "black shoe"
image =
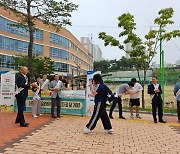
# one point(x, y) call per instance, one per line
point(162, 121)
point(58, 116)
point(23, 125)
point(53, 116)
point(155, 121)
point(16, 122)
point(111, 117)
point(121, 117)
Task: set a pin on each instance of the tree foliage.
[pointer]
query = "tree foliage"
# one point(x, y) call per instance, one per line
point(106, 66)
point(143, 50)
point(50, 12)
point(41, 64)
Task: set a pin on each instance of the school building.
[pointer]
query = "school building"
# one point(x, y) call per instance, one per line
point(69, 55)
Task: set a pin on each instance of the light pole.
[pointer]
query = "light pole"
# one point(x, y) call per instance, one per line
point(78, 68)
point(72, 78)
point(161, 65)
point(79, 76)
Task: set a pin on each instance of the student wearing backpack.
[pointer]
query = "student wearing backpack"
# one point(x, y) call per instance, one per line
point(122, 89)
point(99, 90)
point(110, 96)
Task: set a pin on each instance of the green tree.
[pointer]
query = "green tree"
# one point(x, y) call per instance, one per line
point(125, 63)
point(143, 51)
point(50, 12)
point(114, 65)
point(41, 64)
point(102, 66)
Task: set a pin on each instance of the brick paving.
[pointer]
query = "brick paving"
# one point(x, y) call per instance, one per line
point(10, 131)
point(136, 136)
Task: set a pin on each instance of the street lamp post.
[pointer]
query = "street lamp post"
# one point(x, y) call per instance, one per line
point(72, 78)
point(79, 76)
point(161, 65)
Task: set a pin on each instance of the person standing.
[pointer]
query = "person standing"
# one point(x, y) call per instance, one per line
point(121, 90)
point(36, 104)
point(134, 98)
point(44, 82)
point(21, 95)
point(155, 92)
point(99, 90)
point(177, 95)
point(56, 86)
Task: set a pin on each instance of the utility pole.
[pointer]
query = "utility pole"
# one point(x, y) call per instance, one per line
point(72, 78)
point(161, 66)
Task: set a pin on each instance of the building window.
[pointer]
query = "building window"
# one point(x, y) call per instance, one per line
point(6, 61)
point(59, 53)
point(60, 40)
point(19, 46)
point(61, 67)
point(7, 26)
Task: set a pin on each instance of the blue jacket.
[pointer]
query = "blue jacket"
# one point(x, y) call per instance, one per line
point(177, 90)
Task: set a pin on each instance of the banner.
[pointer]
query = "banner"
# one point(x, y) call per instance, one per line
point(71, 105)
point(7, 89)
point(89, 95)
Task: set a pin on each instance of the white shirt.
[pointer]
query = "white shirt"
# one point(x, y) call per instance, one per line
point(25, 78)
point(156, 86)
point(137, 87)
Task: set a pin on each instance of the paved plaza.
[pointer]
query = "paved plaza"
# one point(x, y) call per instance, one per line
point(65, 135)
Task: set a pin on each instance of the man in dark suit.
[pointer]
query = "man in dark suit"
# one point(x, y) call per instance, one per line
point(155, 92)
point(21, 95)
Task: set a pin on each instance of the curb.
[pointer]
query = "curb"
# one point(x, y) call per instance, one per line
point(145, 112)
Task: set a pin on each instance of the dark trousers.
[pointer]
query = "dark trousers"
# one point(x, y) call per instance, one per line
point(178, 110)
point(56, 102)
point(20, 103)
point(115, 101)
point(99, 112)
point(157, 104)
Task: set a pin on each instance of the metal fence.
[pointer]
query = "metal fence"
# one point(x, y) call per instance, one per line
point(171, 74)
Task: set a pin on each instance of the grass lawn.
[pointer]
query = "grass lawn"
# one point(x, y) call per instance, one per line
point(148, 109)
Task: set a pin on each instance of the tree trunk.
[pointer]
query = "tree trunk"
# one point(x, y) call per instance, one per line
point(139, 76)
point(144, 79)
point(31, 40)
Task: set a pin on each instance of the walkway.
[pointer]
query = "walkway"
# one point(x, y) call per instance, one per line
point(65, 136)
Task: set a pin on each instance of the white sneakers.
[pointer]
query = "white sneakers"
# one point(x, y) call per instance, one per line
point(34, 116)
point(110, 131)
point(107, 103)
point(87, 131)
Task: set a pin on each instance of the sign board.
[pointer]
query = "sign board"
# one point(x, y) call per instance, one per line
point(89, 95)
point(64, 104)
point(7, 89)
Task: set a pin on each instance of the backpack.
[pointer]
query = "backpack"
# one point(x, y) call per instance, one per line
point(110, 95)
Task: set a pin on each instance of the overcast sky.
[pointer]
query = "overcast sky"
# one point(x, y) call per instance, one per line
point(94, 16)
